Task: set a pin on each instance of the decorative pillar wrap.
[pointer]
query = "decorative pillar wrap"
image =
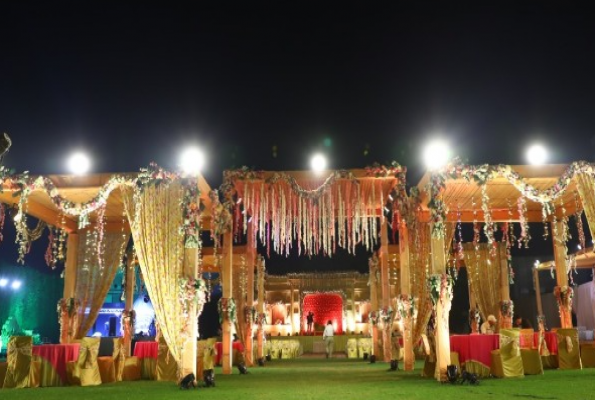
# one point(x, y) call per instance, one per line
point(441, 294)
point(506, 314)
point(564, 295)
point(68, 312)
point(407, 311)
point(386, 318)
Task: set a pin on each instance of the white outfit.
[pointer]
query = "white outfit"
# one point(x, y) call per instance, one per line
point(327, 336)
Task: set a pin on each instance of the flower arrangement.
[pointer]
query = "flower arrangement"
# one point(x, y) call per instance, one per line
point(564, 295)
point(191, 291)
point(250, 315)
point(440, 285)
point(261, 319)
point(227, 309)
point(385, 315)
point(192, 213)
point(406, 306)
point(507, 308)
point(68, 306)
point(373, 317)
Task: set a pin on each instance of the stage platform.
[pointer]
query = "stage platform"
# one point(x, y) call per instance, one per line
point(314, 344)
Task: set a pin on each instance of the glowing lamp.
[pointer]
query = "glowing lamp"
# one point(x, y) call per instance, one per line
point(537, 154)
point(436, 154)
point(79, 163)
point(192, 160)
point(3, 282)
point(318, 163)
point(16, 285)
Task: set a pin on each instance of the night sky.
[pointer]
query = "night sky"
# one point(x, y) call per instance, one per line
point(266, 84)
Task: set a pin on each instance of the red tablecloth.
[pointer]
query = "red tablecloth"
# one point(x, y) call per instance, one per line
point(146, 349)
point(58, 355)
point(551, 339)
point(475, 347)
point(219, 347)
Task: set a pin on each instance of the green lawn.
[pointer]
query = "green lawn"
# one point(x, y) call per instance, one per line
point(340, 379)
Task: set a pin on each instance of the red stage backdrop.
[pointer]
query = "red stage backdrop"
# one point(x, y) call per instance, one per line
point(325, 306)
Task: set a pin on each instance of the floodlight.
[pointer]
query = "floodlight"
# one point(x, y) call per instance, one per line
point(318, 162)
point(436, 154)
point(192, 160)
point(79, 163)
point(3, 282)
point(537, 154)
point(16, 284)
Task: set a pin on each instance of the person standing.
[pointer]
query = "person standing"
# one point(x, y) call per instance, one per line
point(310, 319)
point(489, 327)
point(327, 336)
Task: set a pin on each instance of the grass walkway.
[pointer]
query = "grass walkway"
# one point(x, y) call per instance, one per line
point(337, 379)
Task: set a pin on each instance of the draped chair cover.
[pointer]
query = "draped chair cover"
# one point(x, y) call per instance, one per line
point(484, 276)
point(532, 364)
point(111, 368)
point(86, 369)
point(352, 348)
point(210, 352)
point(21, 370)
point(95, 275)
point(507, 361)
point(364, 346)
point(155, 220)
point(568, 349)
point(167, 367)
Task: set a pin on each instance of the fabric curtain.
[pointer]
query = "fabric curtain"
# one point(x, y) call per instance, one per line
point(586, 189)
point(155, 216)
point(583, 304)
point(484, 276)
point(95, 275)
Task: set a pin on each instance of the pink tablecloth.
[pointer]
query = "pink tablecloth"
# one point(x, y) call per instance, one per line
point(219, 347)
point(475, 347)
point(146, 349)
point(58, 355)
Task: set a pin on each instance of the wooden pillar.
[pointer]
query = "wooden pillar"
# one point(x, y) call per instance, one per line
point(408, 356)
point(385, 291)
point(260, 308)
point(227, 286)
point(67, 322)
point(373, 264)
point(249, 345)
point(129, 298)
point(560, 251)
point(505, 321)
point(442, 310)
point(189, 352)
point(537, 291)
point(72, 248)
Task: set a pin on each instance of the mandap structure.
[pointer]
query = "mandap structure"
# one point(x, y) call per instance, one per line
point(415, 242)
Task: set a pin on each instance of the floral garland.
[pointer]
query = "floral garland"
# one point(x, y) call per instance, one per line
point(373, 317)
point(475, 316)
point(67, 310)
point(564, 296)
point(192, 215)
point(2, 219)
point(190, 291)
point(406, 306)
point(440, 285)
point(507, 308)
point(127, 321)
point(250, 315)
point(261, 319)
point(227, 309)
point(480, 174)
point(221, 220)
point(385, 314)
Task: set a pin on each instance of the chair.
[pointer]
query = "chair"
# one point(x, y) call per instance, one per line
point(507, 361)
point(3, 367)
point(21, 370)
point(275, 349)
point(588, 355)
point(167, 367)
point(85, 370)
point(532, 364)
point(132, 369)
point(352, 348)
point(111, 359)
point(364, 346)
point(430, 361)
point(286, 352)
point(568, 349)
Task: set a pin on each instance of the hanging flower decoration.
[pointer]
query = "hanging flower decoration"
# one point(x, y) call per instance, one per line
point(283, 209)
point(440, 286)
point(564, 295)
point(191, 291)
point(507, 308)
point(475, 318)
point(261, 319)
point(481, 174)
point(373, 317)
point(67, 310)
point(250, 315)
point(406, 306)
point(192, 215)
point(227, 309)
